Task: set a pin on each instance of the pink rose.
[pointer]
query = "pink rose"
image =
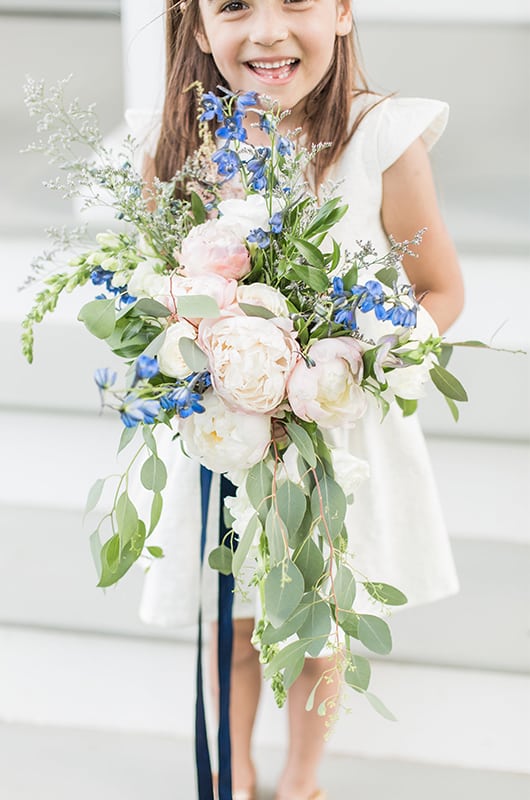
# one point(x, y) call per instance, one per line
point(214, 248)
point(329, 393)
point(250, 360)
point(221, 290)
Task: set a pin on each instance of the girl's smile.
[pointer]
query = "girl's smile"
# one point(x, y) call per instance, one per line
point(282, 48)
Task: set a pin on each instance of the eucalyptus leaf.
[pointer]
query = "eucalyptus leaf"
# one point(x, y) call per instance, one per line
point(259, 489)
point(317, 625)
point(293, 670)
point(287, 655)
point(272, 635)
point(94, 494)
point(385, 593)
point(284, 588)
point(328, 503)
point(220, 559)
point(291, 504)
point(344, 587)
point(126, 518)
point(252, 310)
point(447, 384)
point(349, 622)
point(310, 562)
point(197, 208)
point(156, 511)
point(147, 307)
point(149, 438)
point(154, 474)
point(154, 345)
point(192, 354)
point(357, 673)
point(197, 305)
point(276, 533)
point(99, 317)
point(303, 442)
point(387, 275)
point(127, 435)
point(378, 705)
point(252, 532)
point(408, 407)
point(374, 633)
point(95, 549)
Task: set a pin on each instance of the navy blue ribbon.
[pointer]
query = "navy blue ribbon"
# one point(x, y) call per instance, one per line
point(224, 659)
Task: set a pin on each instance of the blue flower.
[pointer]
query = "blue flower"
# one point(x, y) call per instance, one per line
point(397, 315)
point(187, 402)
point(338, 288)
point(246, 100)
point(284, 146)
point(135, 410)
point(276, 222)
point(261, 237)
point(105, 377)
point(346, 317)
point(266, 124)
point(233, 128)
point(228, 162)
point(100, 276)
point(410, 318)
point(213, 107)
point(146, 367)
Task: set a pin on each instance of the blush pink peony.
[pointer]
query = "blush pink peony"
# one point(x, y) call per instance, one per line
point(329, 393)
point(250, 360)
point(223, 291)
point(214, 248)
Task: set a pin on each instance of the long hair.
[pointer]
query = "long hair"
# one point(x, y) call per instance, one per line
point(327, 108)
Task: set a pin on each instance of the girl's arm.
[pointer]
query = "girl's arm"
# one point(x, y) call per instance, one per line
point(409, 204)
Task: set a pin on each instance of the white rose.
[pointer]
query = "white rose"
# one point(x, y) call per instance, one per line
point(409, 382)
point(145, 281)
point(260, 294)
point(170, 358)
point(223, 440)
point(242, 216)
point(350, 471)
point(250, 360)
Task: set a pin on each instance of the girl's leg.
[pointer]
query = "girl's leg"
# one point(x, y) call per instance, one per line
point(245, 687)
point(307, 729)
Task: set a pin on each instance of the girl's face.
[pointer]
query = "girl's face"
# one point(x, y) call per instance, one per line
point(281, 48)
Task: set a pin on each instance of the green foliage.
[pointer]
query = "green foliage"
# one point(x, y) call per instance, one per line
point(251, 534)
point(126, 518)
point(374, 633)
point(447, 384)
point(358, 672)
point(156, 511)
point(94, 495)
point(197, 305)
point(192, 354)
point(344, 587)
point(116, 561)
point(310, 562)
point(328, 504)
point(259, 489)
point(291, 504)
point(385, 593)
point(154, 474)
point(303, 442)
point(378, 705)
point(220, 558)
point(284, 588)
point(99, 317)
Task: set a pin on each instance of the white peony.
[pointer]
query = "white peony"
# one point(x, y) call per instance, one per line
point(223, 440)
point(250, 359)
point(170, 358)
point(260, 294)
point(242, 216)
point(241, 509)
point(410, 382)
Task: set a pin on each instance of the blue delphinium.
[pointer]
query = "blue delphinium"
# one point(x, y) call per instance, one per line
point(135, 410)
point(284, 146)
point(246, 100)
point(228, 162)
point(266, 124)
point(276, 222)
point(260, 237)
point(105, 377)
point(213, 107)
point(187, 402)
point(232, 128)
point(257, 167)
point(145, 367)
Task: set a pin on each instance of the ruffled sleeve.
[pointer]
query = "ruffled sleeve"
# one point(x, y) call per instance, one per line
point(402, 120)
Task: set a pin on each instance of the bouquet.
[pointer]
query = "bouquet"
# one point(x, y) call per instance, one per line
point(250, 332)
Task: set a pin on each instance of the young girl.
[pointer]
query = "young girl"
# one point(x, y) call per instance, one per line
point(302, 53)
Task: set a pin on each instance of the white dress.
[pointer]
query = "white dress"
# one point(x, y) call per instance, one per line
point(396, 527)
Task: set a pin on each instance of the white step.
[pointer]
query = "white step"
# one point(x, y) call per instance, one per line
point(447, 716)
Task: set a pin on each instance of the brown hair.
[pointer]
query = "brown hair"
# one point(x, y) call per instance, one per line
point(327, 109)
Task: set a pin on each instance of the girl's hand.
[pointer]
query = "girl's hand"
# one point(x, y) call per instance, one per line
point(409, 204)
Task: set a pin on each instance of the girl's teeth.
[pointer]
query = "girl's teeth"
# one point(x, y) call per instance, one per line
point(272, 64)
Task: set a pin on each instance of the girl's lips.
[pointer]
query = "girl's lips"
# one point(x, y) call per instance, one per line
point(274, 72)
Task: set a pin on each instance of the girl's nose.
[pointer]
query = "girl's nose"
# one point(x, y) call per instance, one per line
point(268, 29)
